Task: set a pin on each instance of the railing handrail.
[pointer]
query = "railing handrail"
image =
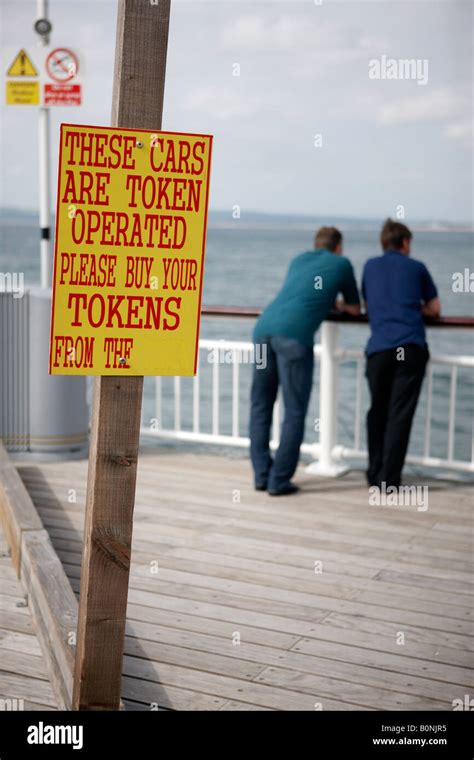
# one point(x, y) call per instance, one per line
point(255, 311)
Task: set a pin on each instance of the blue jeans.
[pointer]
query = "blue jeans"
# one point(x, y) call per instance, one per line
point(289, 364)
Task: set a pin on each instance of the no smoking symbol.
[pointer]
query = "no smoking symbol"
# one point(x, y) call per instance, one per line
point(62, 65)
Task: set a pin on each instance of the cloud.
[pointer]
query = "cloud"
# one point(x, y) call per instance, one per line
point(254, 30)
point(442, 105)
point(460, 131)
point(222, 103)
point(329, 42)
point(451, 107)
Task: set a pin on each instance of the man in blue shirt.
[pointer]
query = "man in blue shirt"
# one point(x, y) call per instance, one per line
point(399, 292)
point(285, 332)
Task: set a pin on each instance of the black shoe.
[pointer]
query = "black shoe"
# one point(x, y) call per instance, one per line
point(260, 486)
point(285, 491)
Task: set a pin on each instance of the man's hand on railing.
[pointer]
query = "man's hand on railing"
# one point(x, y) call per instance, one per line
point(346, 308)
point(432, 309)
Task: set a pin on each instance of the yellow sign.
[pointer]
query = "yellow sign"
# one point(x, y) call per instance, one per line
point(24, 93)
point(129, 253)
point(22, 66)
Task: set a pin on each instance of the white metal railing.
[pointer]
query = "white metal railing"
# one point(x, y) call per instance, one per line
point(330, 456)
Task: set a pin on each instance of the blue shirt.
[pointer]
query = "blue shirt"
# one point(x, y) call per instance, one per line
point(395, 287)
point(309, 291)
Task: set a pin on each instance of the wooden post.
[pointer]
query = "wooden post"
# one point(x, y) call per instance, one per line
point(139, 80)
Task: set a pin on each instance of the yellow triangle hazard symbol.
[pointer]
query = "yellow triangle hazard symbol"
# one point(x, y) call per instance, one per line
point(22, 66)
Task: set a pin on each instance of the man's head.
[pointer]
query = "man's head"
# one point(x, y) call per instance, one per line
point(395, 236)
point(330, 238)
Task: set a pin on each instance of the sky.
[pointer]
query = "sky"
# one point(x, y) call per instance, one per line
point(303, 129)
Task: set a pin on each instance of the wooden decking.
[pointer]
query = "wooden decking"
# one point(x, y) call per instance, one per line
point(228, 607)
point(24, 682)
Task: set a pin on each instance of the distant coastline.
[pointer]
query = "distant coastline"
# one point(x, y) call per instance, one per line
point(222, 219)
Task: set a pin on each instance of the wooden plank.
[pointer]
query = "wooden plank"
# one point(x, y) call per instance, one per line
point(333, 560)
point(316, 688)
point(222, 611)
point(149, 623)
point(293, 618)
point(17, 663)
point(23, 527)
point(17, 513)
point(194, 502)
point(191, 658)
point(233, 706)
point(320, 548)
point(301, 605)
point(213, 554)
point(161, 676)
point(15, 686)
point(172, 626)
point(10, 587)
point(53, 608)
point(329, 641)
point(413, 632)
point(451, 586)
point(347, 663)
point(141, 577)
point(17, 620)
point(382, 661)
point(385, 640)
point(170, 697)
point(279, 570)
point(438, 569)
point(17, 603)
point(139, 80)
point(404, 523)
point(19, 642)
point(343, 540)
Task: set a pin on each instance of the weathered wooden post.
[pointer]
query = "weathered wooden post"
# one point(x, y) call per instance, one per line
point(139, 80)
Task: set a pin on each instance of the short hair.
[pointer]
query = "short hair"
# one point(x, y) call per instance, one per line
point(327, 237)
point(393, 234)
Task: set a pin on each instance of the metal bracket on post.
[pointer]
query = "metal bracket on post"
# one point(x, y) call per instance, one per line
point(327, 465)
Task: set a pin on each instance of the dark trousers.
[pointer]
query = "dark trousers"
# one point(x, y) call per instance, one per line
point(289, 364)
point(395, 380)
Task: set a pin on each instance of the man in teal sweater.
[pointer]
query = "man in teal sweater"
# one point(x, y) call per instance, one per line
point(285, 332)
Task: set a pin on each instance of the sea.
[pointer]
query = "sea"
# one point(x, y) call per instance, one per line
point(245, 265)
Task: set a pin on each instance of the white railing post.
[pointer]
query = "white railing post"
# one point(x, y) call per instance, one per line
point(328, 454)
point(327, 465)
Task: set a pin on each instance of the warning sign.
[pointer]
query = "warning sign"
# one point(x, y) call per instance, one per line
point(56, 82)
point(62, 65)
point(129, 254)
point(22, 66)
point(62, 95)
point(22, 93)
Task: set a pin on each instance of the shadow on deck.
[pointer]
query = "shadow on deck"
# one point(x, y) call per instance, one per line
point(318, 601)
